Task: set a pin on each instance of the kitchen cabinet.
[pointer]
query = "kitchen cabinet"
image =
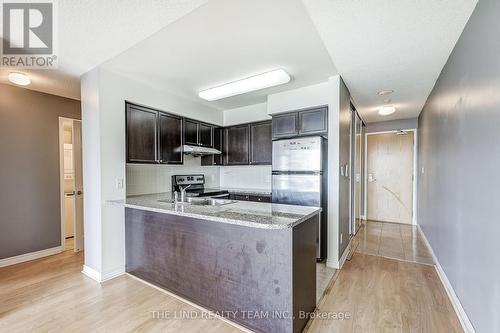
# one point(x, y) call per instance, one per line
point(312, 121)
point(153, 136)
point(237, 145)
point(190, 132)
point(197, 133)
point(170, 139)
point(217, 144)
point(205, 135)
point(141, 132)
point(249, 197)
point(285, 125)
point(261, 145)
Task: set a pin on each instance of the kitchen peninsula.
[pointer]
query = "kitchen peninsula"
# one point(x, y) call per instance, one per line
point(254, 262)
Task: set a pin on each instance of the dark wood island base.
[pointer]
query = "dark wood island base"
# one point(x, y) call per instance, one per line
point(263, 279)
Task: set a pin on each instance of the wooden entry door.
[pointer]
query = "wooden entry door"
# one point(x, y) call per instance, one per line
point(390, 177)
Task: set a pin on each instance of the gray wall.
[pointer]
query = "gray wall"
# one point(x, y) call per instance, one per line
point(392, 125)
point(344, 158)
point(29, 172)
point(459, 147)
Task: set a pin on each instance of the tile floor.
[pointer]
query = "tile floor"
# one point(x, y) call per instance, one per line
point(324, 275)
point(392, 240)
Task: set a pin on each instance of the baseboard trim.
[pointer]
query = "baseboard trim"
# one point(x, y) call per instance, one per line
point(455, 301)
point(102, 277)
point(344, 256)
point(113, 273)
point(30, 256)
point(332, 263)
point(199, 307)
point(91, 273)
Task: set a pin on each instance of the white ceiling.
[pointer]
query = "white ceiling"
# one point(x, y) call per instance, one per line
point(93, 31)
point(189, 45)
point(226, 40)
point(390, 44)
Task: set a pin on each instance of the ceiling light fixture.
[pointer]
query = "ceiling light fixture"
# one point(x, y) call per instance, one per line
point(386, 110)
point(19, 79)
point(252, 83)
point(385, 92)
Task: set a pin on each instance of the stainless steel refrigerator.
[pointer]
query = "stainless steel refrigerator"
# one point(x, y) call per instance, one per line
point(300, 178)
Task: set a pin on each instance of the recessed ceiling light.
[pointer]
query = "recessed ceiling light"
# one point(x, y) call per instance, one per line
point(386, 110)
point(252, 83)
point(385, 92)
point(19, 79)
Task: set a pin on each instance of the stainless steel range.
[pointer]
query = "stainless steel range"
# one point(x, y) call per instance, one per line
point(195, 187)
point(300, 178)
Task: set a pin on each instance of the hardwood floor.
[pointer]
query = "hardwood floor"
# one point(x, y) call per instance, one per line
point(377, 294)
point(385, 295)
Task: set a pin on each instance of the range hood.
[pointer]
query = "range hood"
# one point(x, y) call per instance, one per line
point(200, 151)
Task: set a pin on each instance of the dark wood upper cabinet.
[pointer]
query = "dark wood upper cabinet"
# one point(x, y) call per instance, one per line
point(217, 144)
point(237, 145)
point(170, 139)
point(300, 123)
point(285, 125)
point(313, 121)
point(190, 132)
point(141, 131)
point(205, 135)
point(261, 146)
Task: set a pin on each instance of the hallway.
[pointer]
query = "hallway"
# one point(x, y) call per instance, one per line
point(392, 240)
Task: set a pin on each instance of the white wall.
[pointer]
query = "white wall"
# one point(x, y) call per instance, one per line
point(104, 155)
point(246, 114)
point(314, 95)
point(326, 93)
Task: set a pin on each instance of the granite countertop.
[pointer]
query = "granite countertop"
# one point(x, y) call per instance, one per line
point(245, 213)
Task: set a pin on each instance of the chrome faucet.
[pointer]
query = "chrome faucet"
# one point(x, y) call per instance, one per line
point(183, 192)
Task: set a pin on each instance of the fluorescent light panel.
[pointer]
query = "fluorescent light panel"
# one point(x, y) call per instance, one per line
point(252, 83)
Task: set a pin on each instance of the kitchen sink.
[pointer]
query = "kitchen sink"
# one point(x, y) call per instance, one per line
point(201, 201)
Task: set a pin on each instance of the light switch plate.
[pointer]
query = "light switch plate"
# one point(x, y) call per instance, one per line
point(119, 183)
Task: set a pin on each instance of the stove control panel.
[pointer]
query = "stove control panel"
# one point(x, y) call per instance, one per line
point(188, 180)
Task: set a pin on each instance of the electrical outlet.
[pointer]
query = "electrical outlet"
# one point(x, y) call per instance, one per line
point(341, 238)
point(119, 183)
point(423, 170)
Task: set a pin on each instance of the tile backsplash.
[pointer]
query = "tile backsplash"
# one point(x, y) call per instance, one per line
point(249, 177)
point(153, 178)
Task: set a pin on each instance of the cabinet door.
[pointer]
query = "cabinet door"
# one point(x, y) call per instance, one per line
point(205, 137)
point(142, 140)
point(190, 132)
point(170, 139)
point(285, 125)
point(261, 144)
point(259, 198)
point(237, 145)
point(214, 159)
point(313, 121)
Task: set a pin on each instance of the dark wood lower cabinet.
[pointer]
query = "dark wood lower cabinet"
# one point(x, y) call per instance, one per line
point(235, 270)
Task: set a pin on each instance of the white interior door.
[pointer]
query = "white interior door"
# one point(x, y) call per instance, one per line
point(390, 177)
point(77, 163)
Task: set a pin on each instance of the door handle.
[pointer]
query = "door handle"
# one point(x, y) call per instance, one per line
point(79, 192)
